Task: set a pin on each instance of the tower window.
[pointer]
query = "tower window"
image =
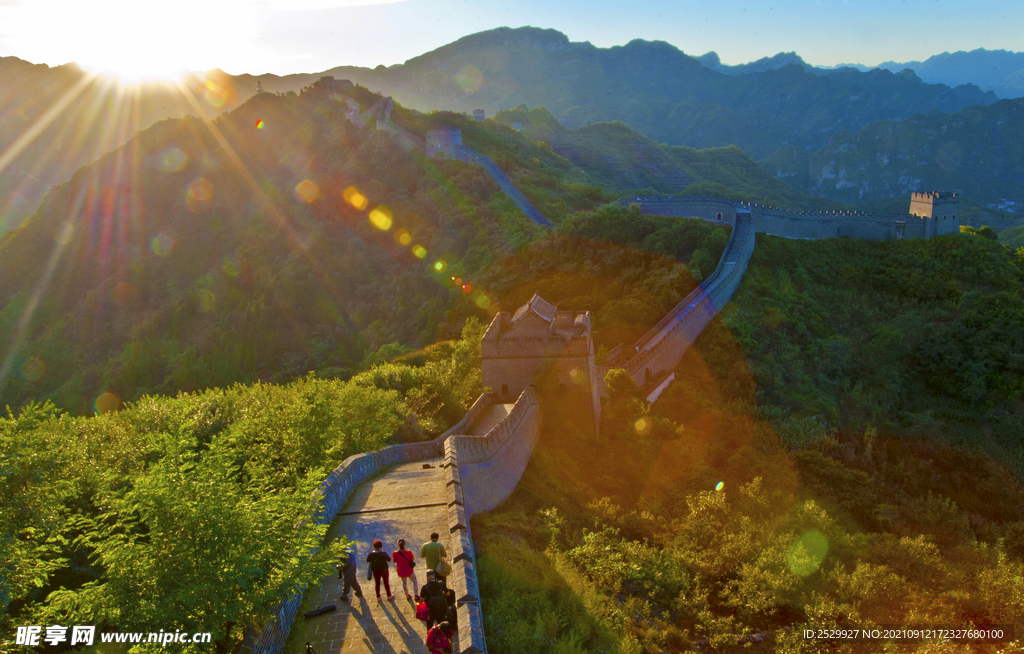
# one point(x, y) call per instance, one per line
point(504, 390)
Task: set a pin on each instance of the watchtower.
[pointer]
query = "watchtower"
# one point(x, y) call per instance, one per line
point(445, 141)
point(478, 114)
point(939, 210)
point(540, 337)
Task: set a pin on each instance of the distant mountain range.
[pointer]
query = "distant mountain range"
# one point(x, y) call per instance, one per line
point(1000, 71)
point(55, 120)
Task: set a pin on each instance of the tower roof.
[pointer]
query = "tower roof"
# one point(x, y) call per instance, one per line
point(537, 305)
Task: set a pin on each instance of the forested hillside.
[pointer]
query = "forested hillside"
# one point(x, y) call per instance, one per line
point(277, 240)
point(841, 448)
point(198, 513)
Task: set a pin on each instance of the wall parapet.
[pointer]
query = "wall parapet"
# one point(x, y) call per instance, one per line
point(336, 489)
point(480, 473)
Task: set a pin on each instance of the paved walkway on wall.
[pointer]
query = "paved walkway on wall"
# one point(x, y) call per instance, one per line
point(405, 501)
point(489, 419)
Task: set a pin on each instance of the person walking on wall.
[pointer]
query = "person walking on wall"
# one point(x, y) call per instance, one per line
point(433, 552)
point(405, 560)
point(433, 594)
point(439, 639)
point(378, 560)
point(347, 571)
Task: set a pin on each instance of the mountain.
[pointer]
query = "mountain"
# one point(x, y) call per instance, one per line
point(712, 61)
point(254, 247)
point(976, 151)
point(1000, 71)
point(656, 89)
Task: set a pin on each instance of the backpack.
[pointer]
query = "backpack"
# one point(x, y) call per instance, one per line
point(437, 604)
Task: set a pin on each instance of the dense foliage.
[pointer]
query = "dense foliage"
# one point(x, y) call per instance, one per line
point(839, 449)
point(197, 512)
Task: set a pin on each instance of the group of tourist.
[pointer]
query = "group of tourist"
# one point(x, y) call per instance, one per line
point(435, 602)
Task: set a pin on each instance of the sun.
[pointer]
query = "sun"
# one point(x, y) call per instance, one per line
point(135, 40)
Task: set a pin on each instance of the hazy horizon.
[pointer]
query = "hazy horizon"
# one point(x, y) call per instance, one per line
point(309, 36)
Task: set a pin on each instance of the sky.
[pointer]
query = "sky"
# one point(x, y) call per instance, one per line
point(142, 38)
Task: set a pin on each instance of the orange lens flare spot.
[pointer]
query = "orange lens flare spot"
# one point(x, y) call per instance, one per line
point(457, 280)
point(260, 124)
point(161, 245)
point(201, 189)
point(403, 237)
point(33, 369)
point(355, 198)
point(198, 194)
point(106, 402)
point(466, 288)
point(419, 251)
point(124, 293)
point(172, 160)
point(381, 218)
point(439, 266)
point(307, 191)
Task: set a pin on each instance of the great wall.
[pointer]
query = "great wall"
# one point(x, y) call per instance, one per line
point(477, 464)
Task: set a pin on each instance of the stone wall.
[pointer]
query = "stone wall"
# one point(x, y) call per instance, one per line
point(661, 349)
point(480, 473)
point(800, 224)
point(336, 489)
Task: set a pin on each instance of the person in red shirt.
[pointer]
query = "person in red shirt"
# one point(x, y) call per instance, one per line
point(439, 639)
point(403, 564)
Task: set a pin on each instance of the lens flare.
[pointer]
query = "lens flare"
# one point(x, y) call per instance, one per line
point(206, 300)
point(307, 191)
point(214, 94)
point(483, 302)
point(33, 369)
point(719, 486)
point(260, 124)
point(807, 553)
point(381, 218)
point(439, 266)
point(469, 79)
point(403, 237)
point(198, 194)
point(106, 402)
point(172, 160)
point(355, 198)
point(124, 294)
point(231, 267)
point(419, 251)
point(643, 426)
point(161, 245)
point(466, 288)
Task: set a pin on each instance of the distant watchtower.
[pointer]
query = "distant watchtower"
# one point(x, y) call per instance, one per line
point(445, 141)
point(478, 114)
point(939, 210)
point(539, 336)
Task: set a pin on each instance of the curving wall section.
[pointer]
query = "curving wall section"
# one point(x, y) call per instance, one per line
point(661, 349)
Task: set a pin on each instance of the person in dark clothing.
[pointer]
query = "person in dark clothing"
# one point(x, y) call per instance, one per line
point(452, 616)
point(379, 560)
point(439, 639)
point(309, 648)
point(347, 571)
point(432, 593)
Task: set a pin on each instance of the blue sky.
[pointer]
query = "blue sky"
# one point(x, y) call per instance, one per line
point(285, 36)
